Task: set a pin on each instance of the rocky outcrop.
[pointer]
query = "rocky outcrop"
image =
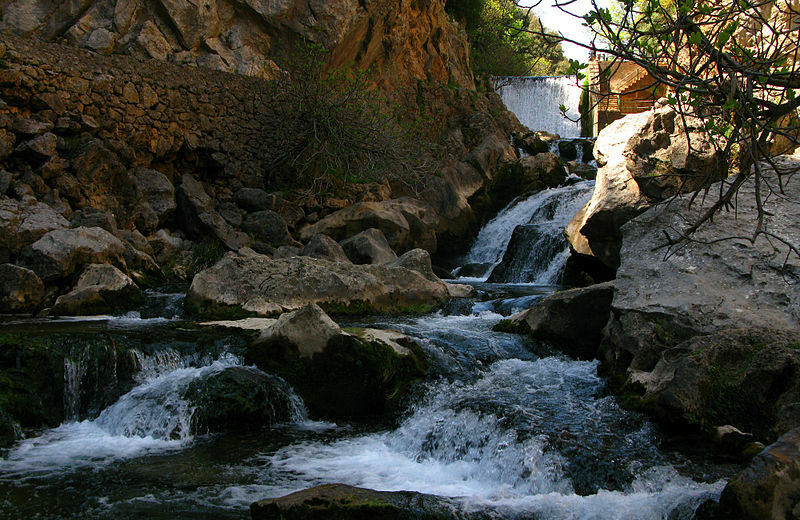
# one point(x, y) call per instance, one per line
point(769, 488)
point(20, 289)
point(347, 502)
point(408, 40)
point(643, 158)
point(23, 223)
point(249, 283)
point(338, 374)
point(60, 252)
point(746, 378)
point(101, 289)
point(572, 320)
point(368, 247)
point(678, 327)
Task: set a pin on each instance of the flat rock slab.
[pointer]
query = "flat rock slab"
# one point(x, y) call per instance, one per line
point(248, 283)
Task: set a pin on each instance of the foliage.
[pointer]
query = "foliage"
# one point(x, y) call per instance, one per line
point(733, 64)
point(330, 127)
point(506, 40)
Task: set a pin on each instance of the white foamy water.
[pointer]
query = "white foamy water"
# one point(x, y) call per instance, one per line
point(536, 100)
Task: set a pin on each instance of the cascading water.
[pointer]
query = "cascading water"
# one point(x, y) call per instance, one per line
point(524, 243)
point(535, 101)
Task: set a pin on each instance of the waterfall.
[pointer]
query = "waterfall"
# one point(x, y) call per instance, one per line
point(524, 243)
point(535, 101)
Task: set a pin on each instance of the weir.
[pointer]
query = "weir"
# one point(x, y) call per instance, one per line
point(535, 100)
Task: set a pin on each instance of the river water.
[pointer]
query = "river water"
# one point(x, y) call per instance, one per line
point(511, 427)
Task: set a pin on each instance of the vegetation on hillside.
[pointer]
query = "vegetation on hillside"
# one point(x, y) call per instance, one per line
point(507, 40)
point(330, 128)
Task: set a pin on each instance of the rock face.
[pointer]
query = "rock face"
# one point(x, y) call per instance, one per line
point(101, 289)
point(411, 41)
point(60, 252)
point(247, 282)
point(368, 247)
point(20, 289)
point(572, 320)
point(707, 288)
point(23, 223)
point(347, 502)
point(643, 158)
point(769, 489)
point(338, 374)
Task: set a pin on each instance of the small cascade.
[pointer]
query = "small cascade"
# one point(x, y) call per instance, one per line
point(74, 373)
point(535, 101)
point(524, 243)
point(157, 363)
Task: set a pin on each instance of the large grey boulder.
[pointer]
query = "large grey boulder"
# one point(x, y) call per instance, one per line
point(706, 284)
point(60, 252)
point(417, 260)
point(23, 223)
point(338, 374)
point(197, 216)
point(769, 488)
point(249, 283)
point(572, 320)
point(268, 227)
point(101, 289)
point(643, 158)
point(158, 198)
point(368, 247)
point(323, 246)
point(20, 289)
point(359, 217)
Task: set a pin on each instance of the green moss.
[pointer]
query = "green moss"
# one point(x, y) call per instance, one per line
point(514, 327)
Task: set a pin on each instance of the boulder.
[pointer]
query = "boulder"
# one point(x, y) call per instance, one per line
point(267, 226)
point(60, 252)
point(418, 260)
point(368, 247)
point(745, 378)
point(769, 488)
point(20, 289)
point(338, 374)
point(239, 399)
point(706, 284)
point(572, 320)
point(323, 246)
point(158, 196)
point(643, 158)
point(359, 217)
point(95, 217)
point(249, 283)
point(254, 199)
point(40, 148)
point(101, 289)
point(23, 223)
point(192, 201)
point(422, 222)
point(345, 502)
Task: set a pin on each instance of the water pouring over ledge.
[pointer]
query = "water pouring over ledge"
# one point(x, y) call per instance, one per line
point(535, 100)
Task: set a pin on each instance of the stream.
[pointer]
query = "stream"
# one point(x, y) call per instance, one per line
point(509, 425)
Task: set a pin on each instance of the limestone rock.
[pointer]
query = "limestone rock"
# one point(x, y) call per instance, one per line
point(571, 320)
point(192, 201)
point(544, 170)
point(253, 199)
point(23, 223)
point(249, 283)
point(20, 289)
point(359, 217)
point(323, 246)
point(309, 329)
point(769, 488)
point(348, 502)
point(417, 260)
point(101, 289)
point(40, 148)
point(338, 374)
point(707, 284)
point(643, 158)
point(152, 42)
point(368, 247)
point(60, 252)
point(267, 226)
point(158, 194)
